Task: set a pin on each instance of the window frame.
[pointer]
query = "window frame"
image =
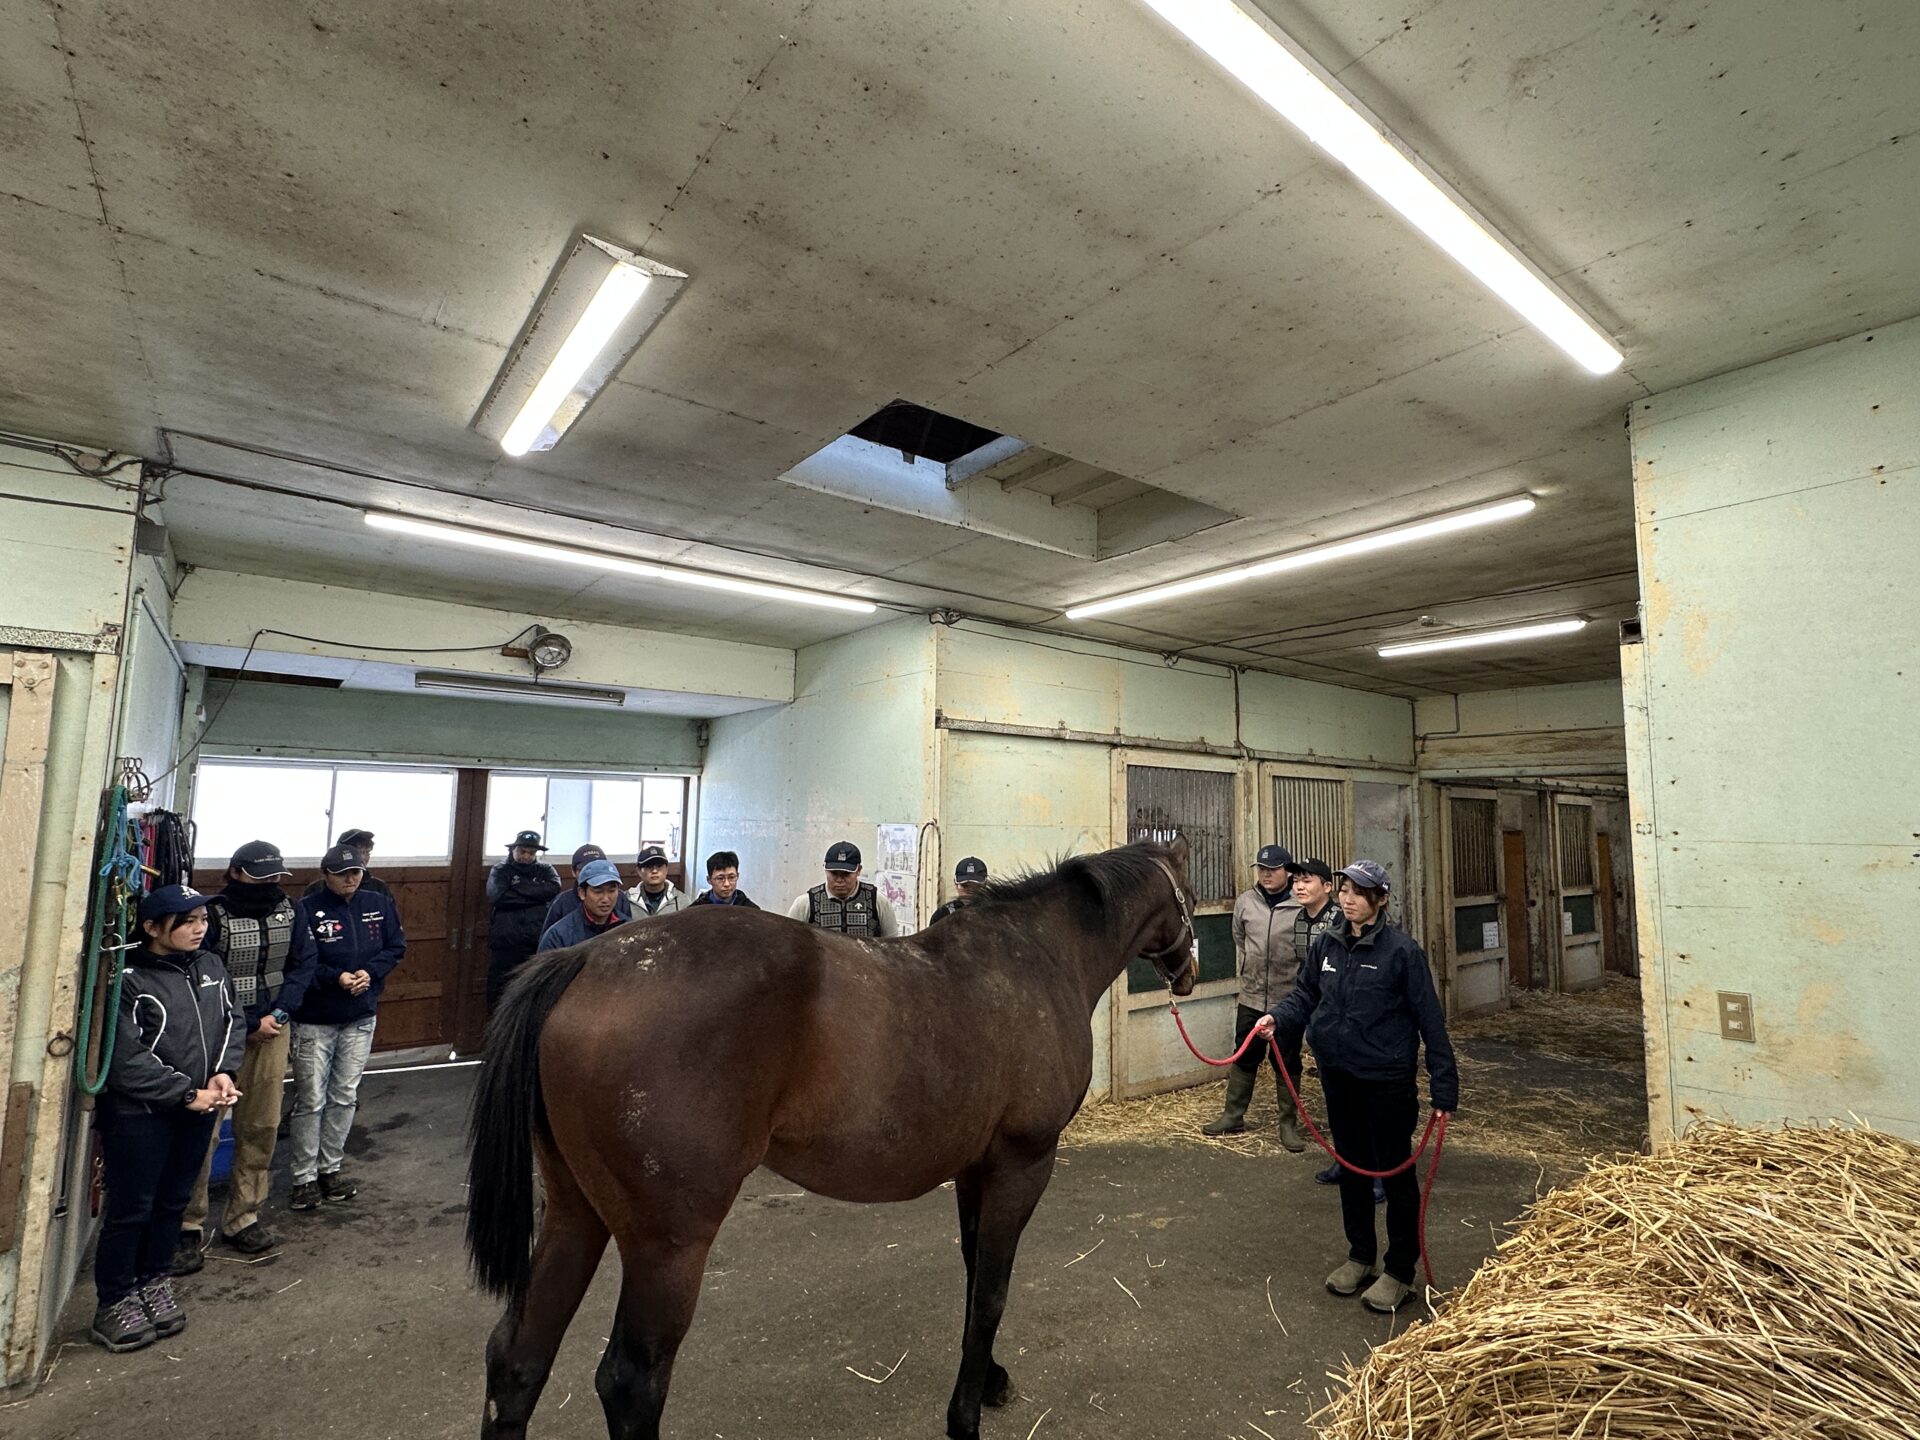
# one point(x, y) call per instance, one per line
point(334, 824)
point(491, 845)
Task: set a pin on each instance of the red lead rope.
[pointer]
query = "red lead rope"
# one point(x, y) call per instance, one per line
point(1436, 1130)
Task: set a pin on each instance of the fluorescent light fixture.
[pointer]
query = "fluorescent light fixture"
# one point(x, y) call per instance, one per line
point(1251, 48)
point(618, 564)
point(596, 308)
point(1485, 637)
point(1318, 555)
point(545, 690)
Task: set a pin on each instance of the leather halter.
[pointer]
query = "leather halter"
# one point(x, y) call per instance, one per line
point(1185, 941)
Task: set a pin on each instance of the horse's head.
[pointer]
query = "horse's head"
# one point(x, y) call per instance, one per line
point(1171, 942)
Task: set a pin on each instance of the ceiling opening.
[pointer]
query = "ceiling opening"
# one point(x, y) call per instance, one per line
point(919, 433)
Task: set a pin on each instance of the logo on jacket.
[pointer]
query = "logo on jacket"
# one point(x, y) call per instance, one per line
point(1327, 966)
point(329, 930)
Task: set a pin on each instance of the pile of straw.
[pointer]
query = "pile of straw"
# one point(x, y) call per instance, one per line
point(1742, 1284)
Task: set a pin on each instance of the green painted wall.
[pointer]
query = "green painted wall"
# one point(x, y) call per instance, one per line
point(1770, 722)
point(851, 752)
point(263, 718)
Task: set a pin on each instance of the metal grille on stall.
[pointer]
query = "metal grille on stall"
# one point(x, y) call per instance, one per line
point(1310, 817)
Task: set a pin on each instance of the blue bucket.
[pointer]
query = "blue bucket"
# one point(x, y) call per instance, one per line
point(223, 1152)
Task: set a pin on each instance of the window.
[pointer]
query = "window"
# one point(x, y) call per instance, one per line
point(303, 807)
point(622, 815)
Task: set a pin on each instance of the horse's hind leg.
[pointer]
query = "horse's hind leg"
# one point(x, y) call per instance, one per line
point(521, 1349)
point(998, 1387)
point(659, 1287)
point(1009, 1184)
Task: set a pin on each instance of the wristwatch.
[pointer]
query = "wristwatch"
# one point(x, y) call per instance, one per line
point(280, 1017)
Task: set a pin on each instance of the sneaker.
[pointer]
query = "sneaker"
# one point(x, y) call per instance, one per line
point(256, 1239)
point(1348, 1279)
point(188, 1255)
point(1386, 1295)
point(123, 1325)
point(1379, 1192)
point(162, 1308)
point(336, 1186)
point(1328, 1176)
point(306, 1196)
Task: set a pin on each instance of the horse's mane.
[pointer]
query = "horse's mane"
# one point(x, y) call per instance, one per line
point(1091, 884)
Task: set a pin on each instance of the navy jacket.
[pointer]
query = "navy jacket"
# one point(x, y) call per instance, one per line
point(1366, 1006)
point(178, 1027)
point(575, 929)
point(568, 901)
point(359, 934)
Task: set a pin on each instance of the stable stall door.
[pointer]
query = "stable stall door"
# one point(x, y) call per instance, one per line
point(1477, 937)
point(1582, 953)
point(1513, 844)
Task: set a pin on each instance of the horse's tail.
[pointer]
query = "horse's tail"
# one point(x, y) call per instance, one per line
point(507, 1106)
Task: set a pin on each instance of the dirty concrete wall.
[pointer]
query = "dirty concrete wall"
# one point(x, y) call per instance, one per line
point(1775, 791)
point(851, 752)
point(1547, 730)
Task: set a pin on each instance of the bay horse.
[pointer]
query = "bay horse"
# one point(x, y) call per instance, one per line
point(649, 1070)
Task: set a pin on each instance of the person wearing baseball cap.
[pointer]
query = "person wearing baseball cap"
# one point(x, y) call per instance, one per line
point(519, 888)
point(252, 925)
point(1366, 1003)
point(598, 884)
point(968, 876)
point(358, 940)
point(361, 840)
point(844, 904)
point(656, 894)
point(568, 900)
point(1264, 920)
point(180, 1038)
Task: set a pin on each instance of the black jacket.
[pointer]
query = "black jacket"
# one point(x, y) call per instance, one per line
point(519, 895)
point(1366, 1005)
point(177, 1028)
point(705, 897)
point(359, 934)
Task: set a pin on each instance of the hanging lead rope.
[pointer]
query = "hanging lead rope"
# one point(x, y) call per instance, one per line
point(108, 938)
point(1436, 1130)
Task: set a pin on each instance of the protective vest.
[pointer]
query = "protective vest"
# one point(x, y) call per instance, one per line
point(857, 915)
point(1306, 931)
point(255, 949)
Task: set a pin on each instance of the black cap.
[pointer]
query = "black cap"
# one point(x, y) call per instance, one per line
point(342, 860)
point(653, 855)
point(359, 839)
point(1312, 866)
point(259, 860)
point(527, 840)
point(170, 900)
point(586, 853)
point(1274, 857)
point(970, 871)
point(844, 856)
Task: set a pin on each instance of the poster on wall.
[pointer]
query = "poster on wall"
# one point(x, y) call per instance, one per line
point(896, 870)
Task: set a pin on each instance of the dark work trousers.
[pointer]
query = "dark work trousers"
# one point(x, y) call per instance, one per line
point(502, 962)
point(1373, 1124)
point(1243, 1021)
point(151, 1161)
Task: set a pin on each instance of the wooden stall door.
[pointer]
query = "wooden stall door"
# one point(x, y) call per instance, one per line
point(1519, 946)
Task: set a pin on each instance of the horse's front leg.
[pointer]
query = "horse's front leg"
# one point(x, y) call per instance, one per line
point(1001, 1192)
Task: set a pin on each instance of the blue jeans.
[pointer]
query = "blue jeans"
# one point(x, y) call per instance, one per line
point(327, 1063)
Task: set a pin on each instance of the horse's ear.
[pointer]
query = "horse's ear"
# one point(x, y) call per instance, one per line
point(1178, 852)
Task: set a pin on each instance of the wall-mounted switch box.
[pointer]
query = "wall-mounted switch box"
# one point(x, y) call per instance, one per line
point(1736, 1016)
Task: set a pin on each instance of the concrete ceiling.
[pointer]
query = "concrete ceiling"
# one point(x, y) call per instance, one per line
point(290, 245)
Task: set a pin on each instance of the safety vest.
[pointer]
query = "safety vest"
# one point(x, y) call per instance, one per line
point(857, 915)
point(254, 949)
point(1306, 931)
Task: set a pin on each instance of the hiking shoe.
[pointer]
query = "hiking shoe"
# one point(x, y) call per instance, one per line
point(306, 1196)
point(1385, 1295)
point(256, 1239)
point(123, 1325)
point(162, 1308)
point(188, 1257)
point(1348, 1279)
point(336, 1186)
point(1328, 1176)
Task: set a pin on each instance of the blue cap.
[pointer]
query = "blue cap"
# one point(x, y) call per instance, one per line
point(170, 900)
point(1273, 857)
point(844, 856)
point(598, 872)
point(1367, 873)
point(970, 871)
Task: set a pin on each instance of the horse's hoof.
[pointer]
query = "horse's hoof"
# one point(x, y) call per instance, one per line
point(999, 1388)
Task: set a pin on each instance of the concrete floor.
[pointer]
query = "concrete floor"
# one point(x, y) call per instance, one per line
point(364, 1325)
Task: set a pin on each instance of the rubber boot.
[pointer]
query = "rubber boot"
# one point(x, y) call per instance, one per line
point(1233, 1117)
point(1293, 1135)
